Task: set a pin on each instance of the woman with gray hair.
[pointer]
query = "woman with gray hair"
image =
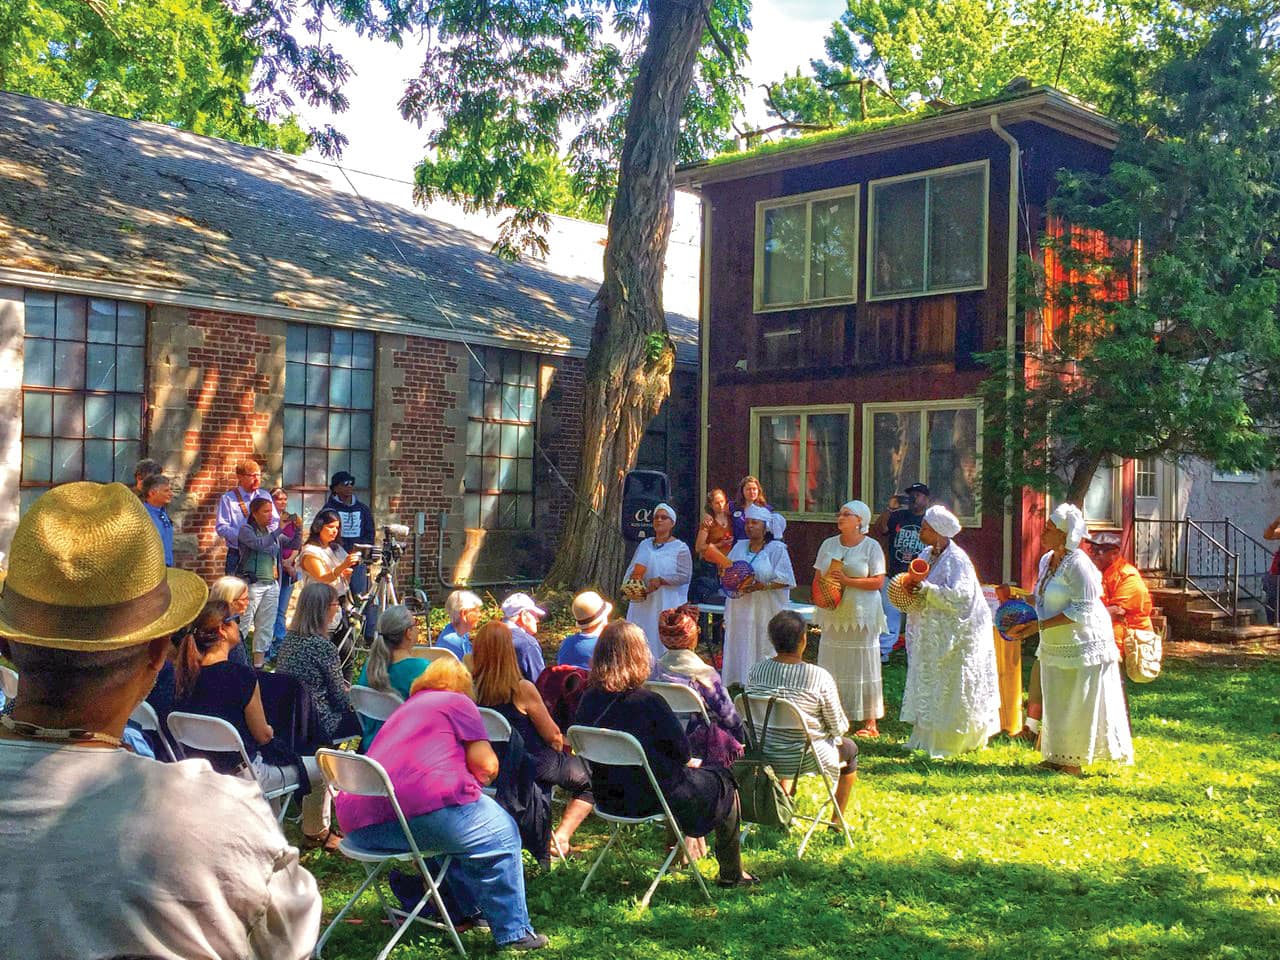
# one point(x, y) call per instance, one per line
point(850, 647)
point(234, 592)
point(1082, 691)
point(463, 609)
point(391, 666)
point(308, 654)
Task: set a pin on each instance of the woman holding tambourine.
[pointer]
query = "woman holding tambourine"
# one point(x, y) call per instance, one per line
point(848, 574)
point(760, 596)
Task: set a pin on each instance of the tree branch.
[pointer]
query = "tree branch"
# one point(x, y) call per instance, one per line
point(865, 80)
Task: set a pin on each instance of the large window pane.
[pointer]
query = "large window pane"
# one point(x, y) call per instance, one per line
point(779, 453)
point(895, 454)
point(953, 459)
point(955, 230)
point(70, 317)
point(37, 414)
point(826, 462)
point(1100, 501)
point(833, 245)
point(784, 243)
point(500, 431)
point(38, 314)
point(897, 264)
point(802, 460)
point(37, 363)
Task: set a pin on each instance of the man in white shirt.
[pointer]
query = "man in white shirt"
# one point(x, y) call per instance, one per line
point(107, 853)
point(233, 511)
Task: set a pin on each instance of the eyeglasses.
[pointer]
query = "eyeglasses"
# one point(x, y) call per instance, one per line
point(234, 618)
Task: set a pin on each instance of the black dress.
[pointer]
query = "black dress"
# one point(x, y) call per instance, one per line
point(553, 767)
point(224, 690)
point(700, 797)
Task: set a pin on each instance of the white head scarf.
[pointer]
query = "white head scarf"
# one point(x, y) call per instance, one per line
point(1068, 518)
point(666, 508)
point(861, 511)
point(773, 522)
point(946, 523)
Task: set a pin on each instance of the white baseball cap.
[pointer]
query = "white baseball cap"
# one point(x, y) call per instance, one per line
point(518, 603)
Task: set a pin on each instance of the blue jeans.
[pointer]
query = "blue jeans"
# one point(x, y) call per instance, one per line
point(286, 591)
point(487, 878)
point(894, 616)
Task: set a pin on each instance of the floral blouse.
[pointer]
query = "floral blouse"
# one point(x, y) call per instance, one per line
point(314, 661)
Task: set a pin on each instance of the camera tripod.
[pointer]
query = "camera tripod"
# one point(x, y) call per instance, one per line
point(352, 635)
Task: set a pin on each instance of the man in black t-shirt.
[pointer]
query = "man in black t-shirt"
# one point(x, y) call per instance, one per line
point(899, 531)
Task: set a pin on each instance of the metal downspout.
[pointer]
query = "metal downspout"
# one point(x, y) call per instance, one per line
point(1011, 322)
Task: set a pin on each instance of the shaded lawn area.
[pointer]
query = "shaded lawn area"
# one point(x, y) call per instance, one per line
point(981, 856)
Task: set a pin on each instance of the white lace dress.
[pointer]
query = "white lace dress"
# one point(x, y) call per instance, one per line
point(746, 618)
point(850, 644)
point(1084, 712)
point(952, 698)
point(673, 563)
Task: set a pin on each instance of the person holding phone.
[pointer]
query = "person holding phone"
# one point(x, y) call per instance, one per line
point(323, 560)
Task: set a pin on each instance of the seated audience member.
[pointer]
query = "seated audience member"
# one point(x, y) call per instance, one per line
point(813, 690)
point(522, 615)
point(720, 744)
point(234, 592)
point(103, 855)
point(591, 611)
point(208, 684)
point(310, 656)
point(463, 609)
point(391, 666)
point(436, 752)
point(703, 799)
point(499, 685)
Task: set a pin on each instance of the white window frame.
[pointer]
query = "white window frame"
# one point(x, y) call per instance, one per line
point(809, 199)
point(804, 411)
point(1140, 471)
point(927, 291)
point(922, 408)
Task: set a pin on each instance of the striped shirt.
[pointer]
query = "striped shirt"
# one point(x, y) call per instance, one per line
point(813, 690)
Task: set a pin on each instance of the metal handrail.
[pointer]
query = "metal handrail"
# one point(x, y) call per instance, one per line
point(1196, 580)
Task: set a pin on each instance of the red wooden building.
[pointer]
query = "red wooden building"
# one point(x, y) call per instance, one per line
point(848, 284)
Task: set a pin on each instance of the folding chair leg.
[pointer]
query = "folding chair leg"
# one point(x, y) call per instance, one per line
point(592, 872)
point(693, 867)
point(430, 895)
point(373, 873)
point(644, 902)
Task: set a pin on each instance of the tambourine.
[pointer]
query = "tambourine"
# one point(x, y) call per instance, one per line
point(1013, 613)
point(734, 577)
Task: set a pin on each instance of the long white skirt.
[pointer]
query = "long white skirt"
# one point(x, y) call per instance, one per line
point(1084, 715)
point(852, 655)
point(746, 632)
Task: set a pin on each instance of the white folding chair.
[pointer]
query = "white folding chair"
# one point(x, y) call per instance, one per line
point(433, 654)
point(613, 748)
point(214, 735)
point(786, 717)
point(144, 715)
point(364, 777)
point(685, 702)
point(9, 682)
point(377, 705)
point(499, 731)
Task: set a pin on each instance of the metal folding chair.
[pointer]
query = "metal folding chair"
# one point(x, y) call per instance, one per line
point(499, 731)
point(144, 715)
point(9, 682)
point(365, 777)
point(613, 748)
point(377, 705)
point(432, 653)
point(193, 731)
point(786, 716)
point(685, 702)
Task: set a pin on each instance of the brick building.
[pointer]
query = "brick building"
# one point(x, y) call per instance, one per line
point(197, 301)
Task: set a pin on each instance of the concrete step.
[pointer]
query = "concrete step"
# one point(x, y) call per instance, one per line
point(1226, 635)
point(1212, 617)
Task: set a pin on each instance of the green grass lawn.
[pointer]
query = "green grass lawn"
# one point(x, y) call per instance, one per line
point(981, 856)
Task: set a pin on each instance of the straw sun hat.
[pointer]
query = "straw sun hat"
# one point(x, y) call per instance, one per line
point(86, 572)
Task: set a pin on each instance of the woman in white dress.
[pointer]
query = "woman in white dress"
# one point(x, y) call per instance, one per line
point(322, 560)
point(746, 617)
point(952, 698)
point(1080, 682)
point(850, 647)
point(668, 567)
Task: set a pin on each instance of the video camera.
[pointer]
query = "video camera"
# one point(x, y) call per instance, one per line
point(391, 548)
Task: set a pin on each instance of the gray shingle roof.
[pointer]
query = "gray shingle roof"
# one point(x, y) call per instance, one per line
point(89, 196)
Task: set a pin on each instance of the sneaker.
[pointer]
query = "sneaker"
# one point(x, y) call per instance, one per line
point(530, 941)
point(899, 645)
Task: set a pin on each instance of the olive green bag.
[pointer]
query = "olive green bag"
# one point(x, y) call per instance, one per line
point(760, 792)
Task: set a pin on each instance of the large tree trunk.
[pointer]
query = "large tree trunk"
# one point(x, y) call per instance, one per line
point(629, 366)
point(1081, 477)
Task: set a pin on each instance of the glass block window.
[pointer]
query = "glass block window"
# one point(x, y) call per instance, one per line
point(802, 459)
point(502, 406)
point(328, 412)
point(83, 372)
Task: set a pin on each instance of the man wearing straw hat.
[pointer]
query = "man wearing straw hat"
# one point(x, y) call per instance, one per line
point(107, 853)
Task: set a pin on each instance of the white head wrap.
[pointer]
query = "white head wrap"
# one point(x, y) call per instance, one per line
point(946, 523)
point(860, 510)
point(1068, 518)
point(670, 511)
point(775, 523)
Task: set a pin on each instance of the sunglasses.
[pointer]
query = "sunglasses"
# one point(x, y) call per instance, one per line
point(234, 618)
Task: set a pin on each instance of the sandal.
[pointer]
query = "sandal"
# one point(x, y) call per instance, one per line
point(867, 733)
point(746, 880)
point(328, 841)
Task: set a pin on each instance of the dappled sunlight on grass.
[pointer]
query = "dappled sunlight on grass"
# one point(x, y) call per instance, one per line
point(983, 855)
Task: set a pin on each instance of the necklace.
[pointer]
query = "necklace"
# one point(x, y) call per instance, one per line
point(58, 735)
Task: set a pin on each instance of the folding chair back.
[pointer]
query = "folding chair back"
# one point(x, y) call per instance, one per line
point(377, 705)
point(496, 725)
point(144, 715)
point(786, 717)
point(424, 652)
point(684, 701)
point(615, 748)
point(194, 731)
point(9, 682)
point(363, 776)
